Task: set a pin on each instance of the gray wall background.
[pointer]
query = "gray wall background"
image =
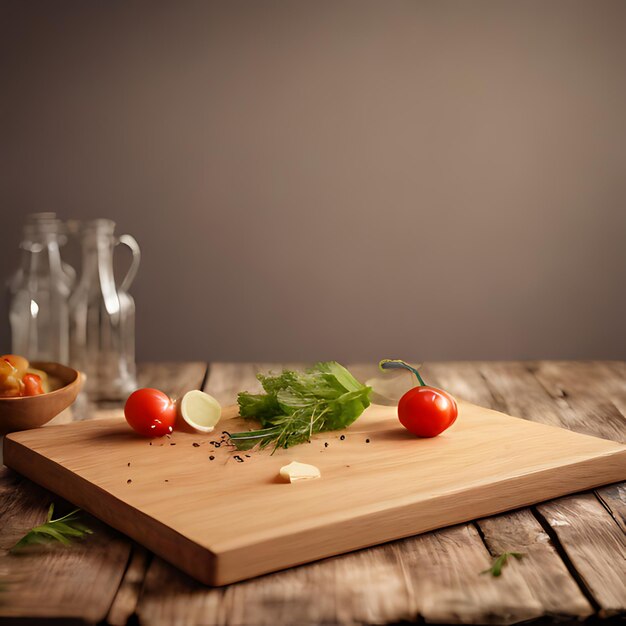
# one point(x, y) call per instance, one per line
point(349, 180)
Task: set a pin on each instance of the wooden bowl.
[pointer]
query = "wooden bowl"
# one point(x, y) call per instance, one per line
point(34, 411)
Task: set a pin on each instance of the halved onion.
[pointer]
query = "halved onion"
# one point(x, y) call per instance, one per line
point(199, 411)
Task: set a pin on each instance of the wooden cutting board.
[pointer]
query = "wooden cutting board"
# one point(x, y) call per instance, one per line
point(231, 518)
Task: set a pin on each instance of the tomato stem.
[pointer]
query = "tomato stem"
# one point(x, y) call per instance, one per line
point(389, 364)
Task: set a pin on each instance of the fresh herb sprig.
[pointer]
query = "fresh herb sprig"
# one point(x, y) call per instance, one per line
point(500, 561)
point(296, 405)
point(63, 529)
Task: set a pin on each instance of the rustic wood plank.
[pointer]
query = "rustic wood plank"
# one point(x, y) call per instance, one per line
point(591, 396)
point(173, 378)
point(303, 595)
point(73, 584)
point(512, 388)
point(614, 499)
point(465, 381)
point(125, 602)
point(515, 388)
point(595, 544)
point(372, 586)
point(582, 394)
point(542, 568)
point(562, 378)
point(369, 586)
point(444, 568)
point(171, 597)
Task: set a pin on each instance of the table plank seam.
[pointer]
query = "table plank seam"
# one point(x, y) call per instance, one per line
point(500, 404)
point(481, 534)
point(205, 378)
point(123, 616)
point(608, 508)
point(574, 573)
point(122, 580)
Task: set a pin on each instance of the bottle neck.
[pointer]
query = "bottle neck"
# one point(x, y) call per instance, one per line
point(41, 256)
point(97, 264)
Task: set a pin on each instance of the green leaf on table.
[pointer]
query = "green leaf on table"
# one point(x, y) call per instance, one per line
point(62, 530)
point(500, 561)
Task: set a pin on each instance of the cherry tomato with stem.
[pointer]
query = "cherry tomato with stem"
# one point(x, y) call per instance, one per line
point(423, 410)
point(150, 412)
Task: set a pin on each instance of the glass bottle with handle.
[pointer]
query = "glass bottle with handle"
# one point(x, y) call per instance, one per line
point(39, 292)
point(102, 315)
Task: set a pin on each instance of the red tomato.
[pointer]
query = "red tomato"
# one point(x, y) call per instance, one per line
point(32, 385)
point(427, 411)
point(150, 412)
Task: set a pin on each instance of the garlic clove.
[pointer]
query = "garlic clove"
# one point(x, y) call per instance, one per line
point(299, 471)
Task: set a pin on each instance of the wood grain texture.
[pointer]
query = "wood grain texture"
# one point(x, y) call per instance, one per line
point(614, 499)
point(125, 602)
point(595, 544)
point(543, 571)
point(591, 396)
point(173, 378)
point(74, 584)
point(582, 395)
point(371, 489)
point(171, 597)
point(444, 569)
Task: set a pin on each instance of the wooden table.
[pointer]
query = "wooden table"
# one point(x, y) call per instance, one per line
point(575, 547)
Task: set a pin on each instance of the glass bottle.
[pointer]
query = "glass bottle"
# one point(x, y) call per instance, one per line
point(39, 293)
point(102, 315)
point(35, 223)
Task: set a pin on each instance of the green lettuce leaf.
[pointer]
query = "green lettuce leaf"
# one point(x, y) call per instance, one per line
point(296, 405)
